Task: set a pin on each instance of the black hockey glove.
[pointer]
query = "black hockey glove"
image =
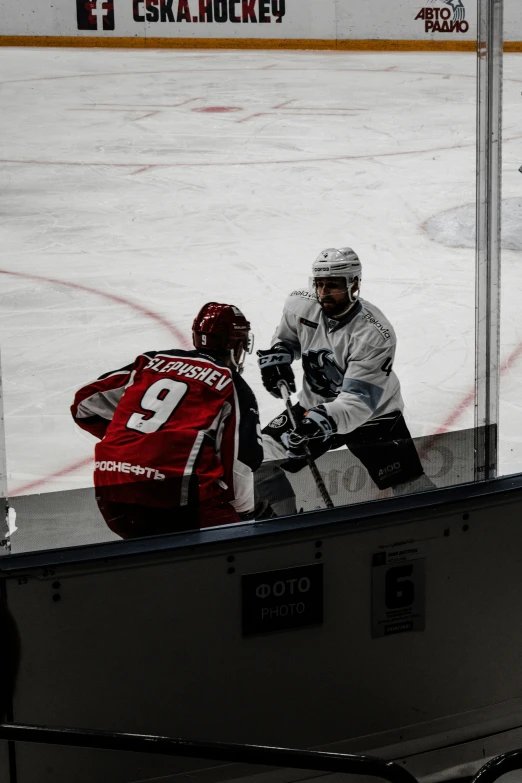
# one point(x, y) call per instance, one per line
point(315, 429)
point(275, 367)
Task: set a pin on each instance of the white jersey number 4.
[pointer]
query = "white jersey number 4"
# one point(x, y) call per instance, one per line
point(161, 400)
point(387, 366)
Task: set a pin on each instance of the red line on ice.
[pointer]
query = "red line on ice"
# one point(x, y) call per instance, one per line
point(288, 161)
point(469, 398)
point(391, 69)
point(171, 328)
point(457, 412)
point(23, 490)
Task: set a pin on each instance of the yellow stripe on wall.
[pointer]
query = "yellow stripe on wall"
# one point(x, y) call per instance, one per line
point(113, 42)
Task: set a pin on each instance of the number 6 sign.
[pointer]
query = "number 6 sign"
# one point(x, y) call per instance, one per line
point(398, 593)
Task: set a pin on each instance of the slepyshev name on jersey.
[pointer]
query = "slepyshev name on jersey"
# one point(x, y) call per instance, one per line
point(213, 378)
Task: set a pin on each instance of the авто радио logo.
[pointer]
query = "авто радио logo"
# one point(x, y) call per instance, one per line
point(444, 20)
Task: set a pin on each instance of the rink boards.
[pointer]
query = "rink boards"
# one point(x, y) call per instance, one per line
point(258, 23)
point(373, 629)
point(71, 518)
point(325, 24)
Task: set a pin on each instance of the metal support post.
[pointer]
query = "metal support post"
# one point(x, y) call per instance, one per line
point(5, 542)
point(489, 159)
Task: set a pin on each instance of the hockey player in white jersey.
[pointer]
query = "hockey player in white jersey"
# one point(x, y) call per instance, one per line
point(351, 395)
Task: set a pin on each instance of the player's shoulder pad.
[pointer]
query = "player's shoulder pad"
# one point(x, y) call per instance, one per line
point(191, 352)
point(301, 302)
point(127, 369)
point(376, 324)
point(245, 394)
point(303, 293)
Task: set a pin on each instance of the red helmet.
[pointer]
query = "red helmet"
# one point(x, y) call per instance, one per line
point(222, 327)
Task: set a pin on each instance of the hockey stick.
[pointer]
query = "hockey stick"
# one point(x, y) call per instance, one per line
point(321, 486)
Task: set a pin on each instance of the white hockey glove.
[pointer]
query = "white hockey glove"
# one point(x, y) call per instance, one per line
point(316, 429)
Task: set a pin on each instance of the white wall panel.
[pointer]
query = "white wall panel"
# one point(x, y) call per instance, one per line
point(34, 18)
point(308, 19)
point(512, 20)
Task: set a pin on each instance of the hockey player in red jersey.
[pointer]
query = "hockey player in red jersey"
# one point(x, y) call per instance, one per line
point(179, 432)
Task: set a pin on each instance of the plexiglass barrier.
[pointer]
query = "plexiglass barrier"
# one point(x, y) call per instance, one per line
point(148, 183)
point(510, 421)
point(4, 506)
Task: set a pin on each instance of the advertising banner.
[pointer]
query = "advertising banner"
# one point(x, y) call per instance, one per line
point(340, 23)
point(412, 20)
point(284, 19)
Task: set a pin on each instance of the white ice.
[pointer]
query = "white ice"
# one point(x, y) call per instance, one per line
point(117, 181)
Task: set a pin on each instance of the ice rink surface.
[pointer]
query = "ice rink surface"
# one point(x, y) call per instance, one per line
point(137, 185)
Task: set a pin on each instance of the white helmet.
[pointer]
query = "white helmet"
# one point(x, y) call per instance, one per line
point(338, 262)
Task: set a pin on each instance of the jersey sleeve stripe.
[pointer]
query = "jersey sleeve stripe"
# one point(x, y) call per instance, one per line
point(189, 467)
point(112, 374)
point(242, 476)
point(122, 371)
point(100, 404)
point(89, 400)
point(368, 393)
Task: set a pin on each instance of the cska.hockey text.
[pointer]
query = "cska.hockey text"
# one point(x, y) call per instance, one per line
point(209, 11)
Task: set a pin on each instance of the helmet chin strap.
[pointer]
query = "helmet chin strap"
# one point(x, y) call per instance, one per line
point(352, 299)
point(238, 366)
